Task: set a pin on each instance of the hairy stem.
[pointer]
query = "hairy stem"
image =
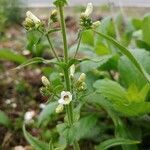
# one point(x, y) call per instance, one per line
point(69, 108)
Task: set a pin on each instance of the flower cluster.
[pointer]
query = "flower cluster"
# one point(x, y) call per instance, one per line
point(31, 21)
point(85, 19)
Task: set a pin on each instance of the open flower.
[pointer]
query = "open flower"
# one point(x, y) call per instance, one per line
point(66, 98)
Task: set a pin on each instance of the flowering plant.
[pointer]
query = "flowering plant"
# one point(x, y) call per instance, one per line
point(74, 97)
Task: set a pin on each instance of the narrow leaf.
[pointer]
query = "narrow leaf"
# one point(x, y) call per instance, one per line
point(8, 54)
point(35, 60)
point(4, 120)
point(35, 143)
point(115, 142)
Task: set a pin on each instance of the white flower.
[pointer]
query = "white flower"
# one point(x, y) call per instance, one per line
point(45, 81)
point(72, 70)
point(59, 108)
point(88, 10)
point(66, 98)
point(82, 77)
point(31, 16)
point(29, 115)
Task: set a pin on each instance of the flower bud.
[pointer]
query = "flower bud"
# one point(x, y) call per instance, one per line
point(59, 108)
point(96, 24)
point(53, 15)
point(33, 17)
point(54, 12)
point(82, 77)
point(45, 81)
point(89, 9)
point(72, 70)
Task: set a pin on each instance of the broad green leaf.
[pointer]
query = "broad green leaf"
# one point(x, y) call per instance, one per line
point(91, 64)
point(121, 100)
point(128, 72)
point(134, 95)
point(35, 60)
point(8, 54)
point(47, 112)
point(127, 53)
point(146, 29)
point(34, 142)
point(115, 142)
point(111, 90)
point(120, 130)
point(4, 120)
point(87, 38)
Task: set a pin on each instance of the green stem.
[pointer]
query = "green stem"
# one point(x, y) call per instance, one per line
point(69, 108)
point(63, 29)
point(50, 43)
point(80, 37)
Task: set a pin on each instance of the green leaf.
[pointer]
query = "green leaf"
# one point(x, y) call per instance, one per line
point(8, 54)
point(128, 72)
point(102, 46)
point(35, 143)
point(121, 100)
point(47, 112)
point(127, 53)
point(120, 130)
point(111, 90)
point(142, 44)
point(91, 64)
point(4, 120)
point(137, 23)
point(115, 142)
point(88, 37)
point(134, 95)
point(146, 29)
point(35, 60)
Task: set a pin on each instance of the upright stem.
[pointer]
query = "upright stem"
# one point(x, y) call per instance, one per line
point(49, 41)
point(69, 108)
point(79, 41)
point(63, 29)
